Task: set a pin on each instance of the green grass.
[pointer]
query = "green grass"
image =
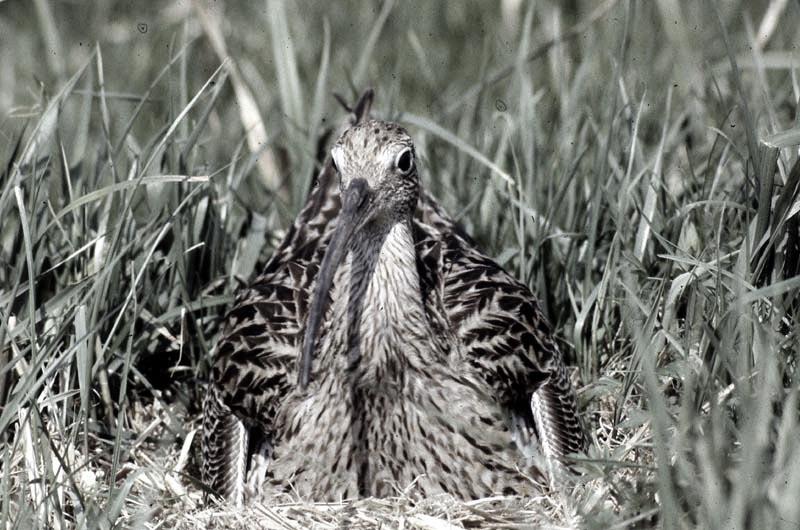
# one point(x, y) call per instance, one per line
point(634, 162)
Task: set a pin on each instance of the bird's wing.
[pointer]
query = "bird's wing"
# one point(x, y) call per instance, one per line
point(506, 339)
point(255, 362)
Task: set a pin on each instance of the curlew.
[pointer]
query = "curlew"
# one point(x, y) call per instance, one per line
point(381, 348)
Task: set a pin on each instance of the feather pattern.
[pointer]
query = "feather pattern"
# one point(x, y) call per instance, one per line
point(431, 363)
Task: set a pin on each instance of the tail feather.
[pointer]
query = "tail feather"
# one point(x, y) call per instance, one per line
point(554, 411)
point(225, 441)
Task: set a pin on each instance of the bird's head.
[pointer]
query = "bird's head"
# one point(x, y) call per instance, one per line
point(380, 154)
point(379, 187)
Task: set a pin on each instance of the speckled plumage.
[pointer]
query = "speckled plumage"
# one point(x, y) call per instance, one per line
point(430, 362)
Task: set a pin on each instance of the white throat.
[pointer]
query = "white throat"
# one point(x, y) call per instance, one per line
point(383, 327)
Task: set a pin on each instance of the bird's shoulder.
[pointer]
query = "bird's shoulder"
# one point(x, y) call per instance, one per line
point(263, 329)
point(497, 320)
point(283, 288)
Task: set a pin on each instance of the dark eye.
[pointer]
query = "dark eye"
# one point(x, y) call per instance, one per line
point(405, 161)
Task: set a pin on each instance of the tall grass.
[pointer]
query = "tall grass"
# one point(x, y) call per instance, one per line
point(635, 163)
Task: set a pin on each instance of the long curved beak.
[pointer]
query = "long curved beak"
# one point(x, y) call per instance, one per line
point(356, 200)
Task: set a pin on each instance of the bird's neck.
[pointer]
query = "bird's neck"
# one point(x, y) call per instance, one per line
point(386, 328)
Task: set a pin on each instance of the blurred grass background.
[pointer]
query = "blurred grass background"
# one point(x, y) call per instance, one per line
point(634, 162)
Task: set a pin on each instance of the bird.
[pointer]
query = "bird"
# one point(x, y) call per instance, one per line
point(381, 349)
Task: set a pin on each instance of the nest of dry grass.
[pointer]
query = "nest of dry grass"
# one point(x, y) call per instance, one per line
point(168, 493)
